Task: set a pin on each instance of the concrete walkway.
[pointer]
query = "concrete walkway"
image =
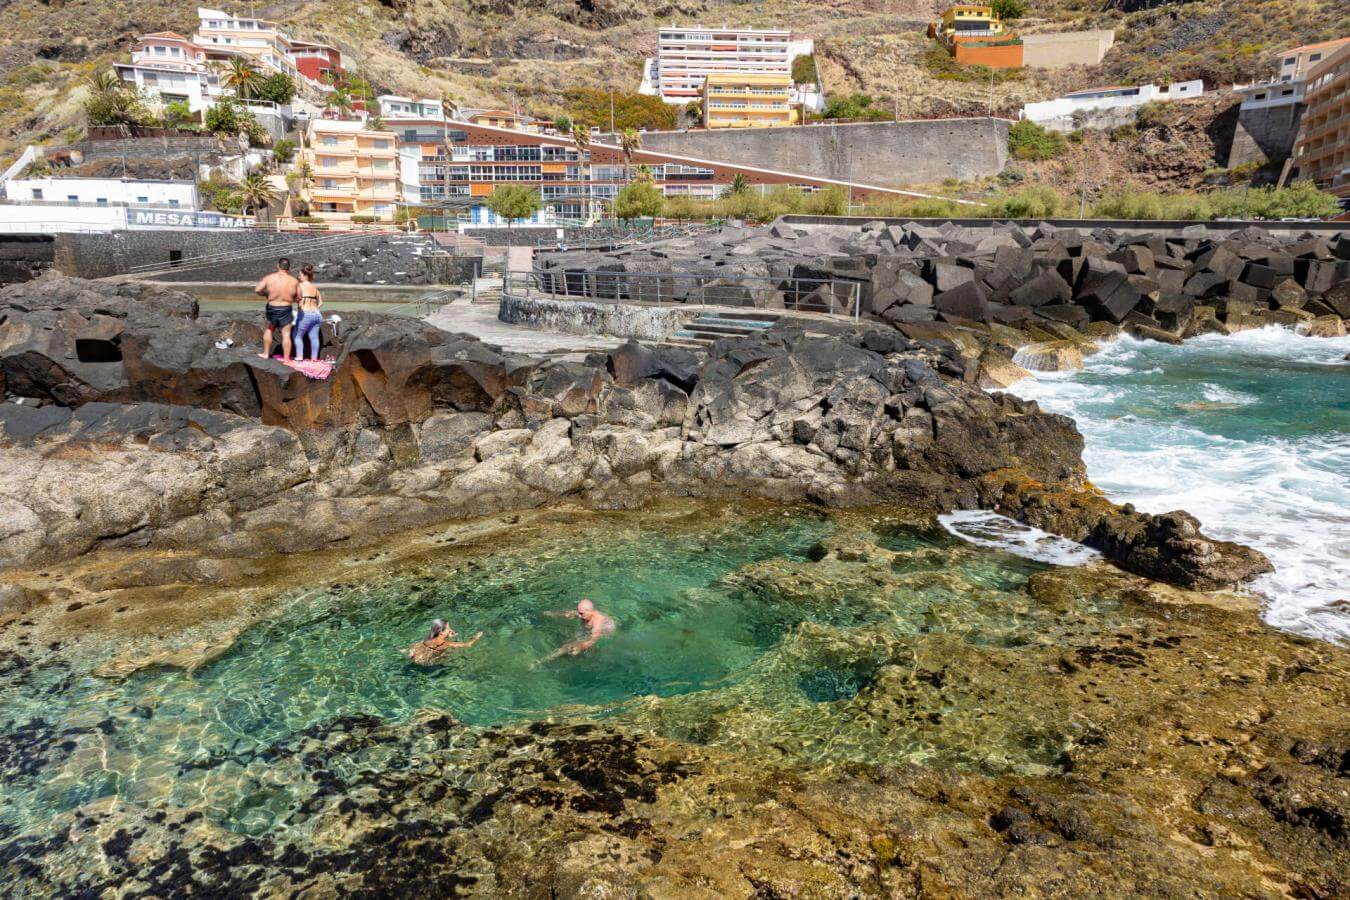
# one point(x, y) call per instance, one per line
point(481, 321)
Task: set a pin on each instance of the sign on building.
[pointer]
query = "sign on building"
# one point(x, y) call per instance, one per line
point(138, 217)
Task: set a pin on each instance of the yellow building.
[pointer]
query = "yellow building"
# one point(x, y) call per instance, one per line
point(967, 21)
point(355, 171)
point(748, 101)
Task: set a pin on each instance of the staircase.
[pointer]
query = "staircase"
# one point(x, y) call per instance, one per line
point(708, 327)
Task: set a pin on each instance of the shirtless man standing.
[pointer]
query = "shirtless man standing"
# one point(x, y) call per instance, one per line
point(281, 289)
point(596, 623)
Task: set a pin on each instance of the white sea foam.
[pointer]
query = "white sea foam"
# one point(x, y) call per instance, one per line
point(987, 529)
point(1216, 394)
point(1289, 498)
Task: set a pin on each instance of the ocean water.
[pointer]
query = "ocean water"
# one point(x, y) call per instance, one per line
point(1249, 432)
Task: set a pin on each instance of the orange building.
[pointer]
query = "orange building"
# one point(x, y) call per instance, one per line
point(975, 36)
point(1322, 150)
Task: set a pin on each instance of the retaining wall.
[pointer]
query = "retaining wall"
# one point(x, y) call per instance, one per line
point(887, 154)
point(1265, 134)
point(646, 323)
point(24, 257)
point(1066, 48)
point(373, 259)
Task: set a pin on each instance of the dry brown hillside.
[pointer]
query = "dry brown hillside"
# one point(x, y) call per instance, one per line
point(489, 51)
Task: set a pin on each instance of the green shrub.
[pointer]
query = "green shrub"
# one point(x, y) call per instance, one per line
point(855, 106)
point(1027, 140)
point(641, 199)
point(365, 220)
point(1151, 115)
point(804, 70)
point(1036, 202)
point(1009, 10)
point(1123, 134)
point(277, 87)
point(631, 110)
point(284, 150)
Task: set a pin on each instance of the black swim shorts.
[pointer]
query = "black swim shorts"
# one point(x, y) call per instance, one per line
point(277, 316)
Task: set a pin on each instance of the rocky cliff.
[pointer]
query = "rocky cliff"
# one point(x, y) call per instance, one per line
point(134, 421)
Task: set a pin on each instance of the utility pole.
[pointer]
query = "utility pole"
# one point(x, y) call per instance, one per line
point(611, 110)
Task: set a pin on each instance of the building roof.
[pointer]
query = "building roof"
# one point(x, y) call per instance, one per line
point(1308, 47)
point(164, 35)
point(1100, 90)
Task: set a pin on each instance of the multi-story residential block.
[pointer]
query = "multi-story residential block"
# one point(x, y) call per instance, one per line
point(1322, 150)
point(392, 106)
point(463, 171)
point(272, 49)
point(317, 62)
point(1295, 64)
point(747, 101)
point(167, 68)
point(355, 170)
point(687, 55)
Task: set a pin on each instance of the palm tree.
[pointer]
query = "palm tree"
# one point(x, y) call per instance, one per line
point(739, 185)
point(581, 137)
point(629, 144)
point(104, 83)
point(243, 76)
point(340, 101)
point(256, 192)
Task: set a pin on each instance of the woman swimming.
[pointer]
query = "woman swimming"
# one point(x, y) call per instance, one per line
point(437, 641)
point(310, 299)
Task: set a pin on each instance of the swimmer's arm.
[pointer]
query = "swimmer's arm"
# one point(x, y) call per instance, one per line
point(469, 643)
point(562, 614)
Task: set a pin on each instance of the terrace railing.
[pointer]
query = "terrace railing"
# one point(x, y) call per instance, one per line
point(827, 296)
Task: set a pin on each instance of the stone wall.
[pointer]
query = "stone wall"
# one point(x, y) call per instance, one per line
point(156, 147)
point(888, 154)
point(1066, 48)
point(1265, 134)
point(378, 258)
point(647, 323)
point(24, 257)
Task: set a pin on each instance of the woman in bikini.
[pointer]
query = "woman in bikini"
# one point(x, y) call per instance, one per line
point(438, 640)
point(310, 299)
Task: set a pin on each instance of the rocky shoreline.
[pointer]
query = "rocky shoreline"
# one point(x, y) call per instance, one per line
point(1087, 732)
point(138, 427)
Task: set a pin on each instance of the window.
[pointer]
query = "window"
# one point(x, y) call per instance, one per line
point(1314, 58)
point(1290, 61)
point(102, 201)
point(173, 203)
point(1286, 93)
point(381, 144)
point(381, 165)
point(142, 199)
point(72, 198)
point(37, 193)
point(329, 140)
point(1259, 97)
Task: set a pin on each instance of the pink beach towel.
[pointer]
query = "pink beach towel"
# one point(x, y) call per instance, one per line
point(315, 369)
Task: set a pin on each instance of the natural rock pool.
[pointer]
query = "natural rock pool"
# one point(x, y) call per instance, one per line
point(782, 678)
point(729, 634)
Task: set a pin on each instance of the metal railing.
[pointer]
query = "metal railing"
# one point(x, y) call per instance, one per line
point(828, 296)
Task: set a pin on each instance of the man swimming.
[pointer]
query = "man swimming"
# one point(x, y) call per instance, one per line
point(596, 623)
point(281, 289)
point(437, 641)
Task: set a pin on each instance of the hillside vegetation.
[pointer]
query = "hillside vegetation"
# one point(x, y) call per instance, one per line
point(539, 53)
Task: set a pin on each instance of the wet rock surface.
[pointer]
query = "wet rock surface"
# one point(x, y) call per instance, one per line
point(219, 450)
point(1075, 732)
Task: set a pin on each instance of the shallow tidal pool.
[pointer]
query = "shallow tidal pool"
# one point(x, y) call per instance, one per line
point(741, 630)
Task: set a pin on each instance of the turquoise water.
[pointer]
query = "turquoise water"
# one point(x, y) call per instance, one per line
point(731, 622)
point(1250, 433)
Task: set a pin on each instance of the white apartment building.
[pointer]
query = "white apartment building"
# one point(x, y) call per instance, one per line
point(222, 35)
point(1092, 107)
point(392, 106)
point(166, 68)
point(103, 192)
point(1289, 86)
point(686, 55)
